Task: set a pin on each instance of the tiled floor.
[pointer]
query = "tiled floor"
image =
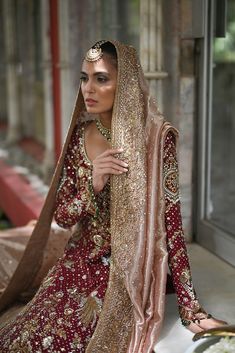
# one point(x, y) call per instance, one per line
point(214, 281)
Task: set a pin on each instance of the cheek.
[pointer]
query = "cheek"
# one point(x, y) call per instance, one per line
point(108, 93)
point(110, 98)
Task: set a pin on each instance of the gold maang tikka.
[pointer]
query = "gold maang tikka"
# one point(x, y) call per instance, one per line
point(95, 53)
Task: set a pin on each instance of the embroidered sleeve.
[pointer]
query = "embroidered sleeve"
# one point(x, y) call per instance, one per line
point(178, 258)
point(73, 199)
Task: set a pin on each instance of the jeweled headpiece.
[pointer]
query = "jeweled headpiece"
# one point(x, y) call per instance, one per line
point(95, 53)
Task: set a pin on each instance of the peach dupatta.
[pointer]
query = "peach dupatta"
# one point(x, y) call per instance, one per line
point(134, 303)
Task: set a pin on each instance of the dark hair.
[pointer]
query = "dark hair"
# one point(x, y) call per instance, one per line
point(109, 49)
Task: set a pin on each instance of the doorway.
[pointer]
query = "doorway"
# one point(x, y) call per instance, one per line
point(216, 168)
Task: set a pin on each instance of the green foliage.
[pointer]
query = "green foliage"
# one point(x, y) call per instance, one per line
point(224, 48)
point(4, 221)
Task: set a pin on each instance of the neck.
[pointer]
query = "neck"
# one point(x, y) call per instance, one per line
point(106, 119)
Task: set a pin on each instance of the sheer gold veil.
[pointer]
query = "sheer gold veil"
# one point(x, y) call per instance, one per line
point(134, 301)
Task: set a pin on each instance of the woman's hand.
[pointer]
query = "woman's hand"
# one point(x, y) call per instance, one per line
point(104, 165)
point(205, 324)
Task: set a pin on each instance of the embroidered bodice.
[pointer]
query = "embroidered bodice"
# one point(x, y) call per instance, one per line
point(74, 199)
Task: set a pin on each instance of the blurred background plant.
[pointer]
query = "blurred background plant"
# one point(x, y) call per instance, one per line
point(4, 221)
point(224, 48)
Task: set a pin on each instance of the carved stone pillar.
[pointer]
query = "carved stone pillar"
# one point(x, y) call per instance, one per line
point(151, 46)
point(49, 159)
point(13, 133)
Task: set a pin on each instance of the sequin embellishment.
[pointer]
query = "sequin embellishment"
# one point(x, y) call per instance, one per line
point(171, 179)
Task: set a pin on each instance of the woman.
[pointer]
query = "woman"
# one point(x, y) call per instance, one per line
point(106, 293)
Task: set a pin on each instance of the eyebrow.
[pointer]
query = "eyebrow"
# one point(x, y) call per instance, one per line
point(96, 73)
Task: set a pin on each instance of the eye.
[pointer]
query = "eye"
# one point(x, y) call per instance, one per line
point(83, 78)
point(102, 79)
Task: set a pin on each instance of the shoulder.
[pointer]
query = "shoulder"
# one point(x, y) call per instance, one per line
point(170, 145)
point(170, 138)
point(170, 135)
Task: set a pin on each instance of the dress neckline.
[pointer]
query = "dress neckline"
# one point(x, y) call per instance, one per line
point(83, 148)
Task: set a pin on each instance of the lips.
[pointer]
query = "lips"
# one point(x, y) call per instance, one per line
point(90, 101)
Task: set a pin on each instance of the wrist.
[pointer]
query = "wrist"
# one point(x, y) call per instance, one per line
point(193, 315)
point(96, 186)
point(96, 189)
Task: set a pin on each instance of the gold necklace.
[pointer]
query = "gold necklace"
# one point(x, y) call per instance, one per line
point(103, 130)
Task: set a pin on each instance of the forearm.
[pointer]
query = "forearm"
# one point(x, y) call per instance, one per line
point(178, 258)
point(177, 251)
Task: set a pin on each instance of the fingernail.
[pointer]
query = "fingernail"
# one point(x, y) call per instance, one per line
point(125, 164)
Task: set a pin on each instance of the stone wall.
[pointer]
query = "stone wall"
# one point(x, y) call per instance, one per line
point(82, 23)
point(179, 95)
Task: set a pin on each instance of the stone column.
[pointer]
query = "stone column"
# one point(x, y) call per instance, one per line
point(171, 49)
point(49, 159)
point(13, 133)
point(179, 94)
point(67, 100)
point(151, 46)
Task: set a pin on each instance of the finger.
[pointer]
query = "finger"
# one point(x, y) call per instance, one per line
point(206, 324)
point(112, 171)
point(194, 328)
point(111, 151)
point(100, 167)
point(110, 159)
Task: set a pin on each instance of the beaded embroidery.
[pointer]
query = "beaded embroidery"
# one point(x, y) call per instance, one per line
point(171, 179)
point(178, 259)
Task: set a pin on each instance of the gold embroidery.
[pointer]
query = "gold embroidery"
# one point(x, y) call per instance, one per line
point(173, 238)
point(98, 240)
point(90, 310)
point(61, 333)
point(176, 257)
point(185, 276)
point(75, 207)
point(171, 179)
point(81, 172)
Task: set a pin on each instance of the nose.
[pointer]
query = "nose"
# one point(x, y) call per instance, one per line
point(89, 86)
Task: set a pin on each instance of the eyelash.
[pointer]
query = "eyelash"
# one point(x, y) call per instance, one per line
point(102, 79)
point(99, 79)
point(83, 78)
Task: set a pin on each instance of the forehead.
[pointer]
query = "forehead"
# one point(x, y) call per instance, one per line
point(101, 65)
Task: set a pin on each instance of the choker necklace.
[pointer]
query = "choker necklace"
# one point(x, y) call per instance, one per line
point(103, 130)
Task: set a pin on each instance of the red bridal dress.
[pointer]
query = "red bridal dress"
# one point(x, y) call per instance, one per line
point(63, 314)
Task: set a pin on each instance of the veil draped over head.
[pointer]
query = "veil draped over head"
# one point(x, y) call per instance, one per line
point(134, 301)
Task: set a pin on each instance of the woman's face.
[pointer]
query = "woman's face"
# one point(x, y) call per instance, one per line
point(98, 84)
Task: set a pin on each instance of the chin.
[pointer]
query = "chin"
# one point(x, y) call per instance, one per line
point(95, 110)
point(92, 110)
